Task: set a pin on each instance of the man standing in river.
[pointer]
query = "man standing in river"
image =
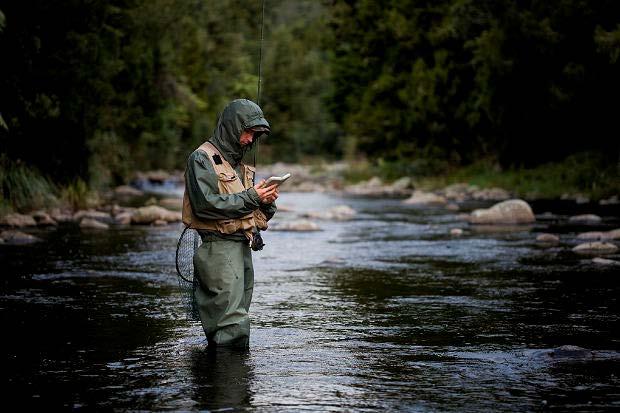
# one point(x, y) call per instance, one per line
point(222, 204)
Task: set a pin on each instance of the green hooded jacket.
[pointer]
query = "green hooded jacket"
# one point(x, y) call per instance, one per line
point(202, 181)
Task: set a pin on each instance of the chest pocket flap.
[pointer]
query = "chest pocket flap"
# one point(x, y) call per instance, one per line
point(229, 183)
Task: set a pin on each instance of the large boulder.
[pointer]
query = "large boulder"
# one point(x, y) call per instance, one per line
point(17, 237)
point(149, 214)
point(595, 248)
point(513, 211)
point(425, 198)
point(16, 220)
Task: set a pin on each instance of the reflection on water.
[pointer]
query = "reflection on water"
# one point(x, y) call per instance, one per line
point(221, 379)
point(386, 311)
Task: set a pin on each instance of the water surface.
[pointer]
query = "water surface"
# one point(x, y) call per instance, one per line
point(383, 312)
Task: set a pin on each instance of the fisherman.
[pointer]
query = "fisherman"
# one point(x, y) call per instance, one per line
point(227, 210)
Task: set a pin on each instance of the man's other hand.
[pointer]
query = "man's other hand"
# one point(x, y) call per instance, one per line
point(267, 195)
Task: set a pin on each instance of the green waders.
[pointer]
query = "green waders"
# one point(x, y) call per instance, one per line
point(224, 291)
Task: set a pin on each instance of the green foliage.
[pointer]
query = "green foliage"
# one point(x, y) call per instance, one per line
point(77, 195)
point(96, 90)
point(581, 173)
point(23, 188)
point(104, 88)
point(526, 82)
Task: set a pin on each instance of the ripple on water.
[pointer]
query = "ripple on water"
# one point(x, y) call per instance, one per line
point(383, 312)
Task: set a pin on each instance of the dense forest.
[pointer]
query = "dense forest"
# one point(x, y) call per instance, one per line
point(99, 89)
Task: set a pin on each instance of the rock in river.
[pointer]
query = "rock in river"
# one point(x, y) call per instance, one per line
point(18, 220)
point(548, 238)
point(92, 214)
point(513, 211)
point(605, 261)
point(595, 248)
point(338, 213)
point(93, 224)
point(44, 219)
point(585, 218)
point(570, 351)
point(613, 234)
point(301, 226)
point(591, 235)
point(425, 198)
point(17, 237)
point(126, 190)
point(150, 214)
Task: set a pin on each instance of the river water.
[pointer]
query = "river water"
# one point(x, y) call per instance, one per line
point(383, 312)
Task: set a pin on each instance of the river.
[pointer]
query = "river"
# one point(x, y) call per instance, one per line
point(383, 312)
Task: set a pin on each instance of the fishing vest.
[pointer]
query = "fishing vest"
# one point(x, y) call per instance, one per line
point(228, 183)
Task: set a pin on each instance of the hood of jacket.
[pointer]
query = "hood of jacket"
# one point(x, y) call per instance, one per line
point(238, 115)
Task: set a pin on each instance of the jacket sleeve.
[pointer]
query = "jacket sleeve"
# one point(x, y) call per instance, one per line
point(269, 210)
point(203, 192)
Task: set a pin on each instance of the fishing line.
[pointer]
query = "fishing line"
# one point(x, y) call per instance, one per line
point(260, 76)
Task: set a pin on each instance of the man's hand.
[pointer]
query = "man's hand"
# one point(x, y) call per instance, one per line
point(267, 195)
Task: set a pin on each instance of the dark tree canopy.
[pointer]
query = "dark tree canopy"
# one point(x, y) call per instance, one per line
point(97, 89)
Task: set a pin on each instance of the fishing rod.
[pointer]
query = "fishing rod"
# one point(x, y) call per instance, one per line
point(260, 75)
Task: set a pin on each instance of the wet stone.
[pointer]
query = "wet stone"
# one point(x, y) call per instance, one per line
point(595, 248)
point(591, 235)
point(570, 351)
point(585, 218)
point(605, 261)
point(550, 238)
point(89, 223)
point(17, 237)
point(17, 220)
point(513, 211)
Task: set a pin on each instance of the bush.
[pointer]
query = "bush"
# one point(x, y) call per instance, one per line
point(24, 188)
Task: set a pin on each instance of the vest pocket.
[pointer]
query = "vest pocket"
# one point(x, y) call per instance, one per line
point(229, 183)
point(228, 226)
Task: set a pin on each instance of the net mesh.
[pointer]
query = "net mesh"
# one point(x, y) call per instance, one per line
point(188, 243)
